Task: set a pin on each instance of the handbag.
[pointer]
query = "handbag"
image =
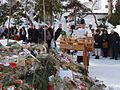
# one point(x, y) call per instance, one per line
point(105, 44)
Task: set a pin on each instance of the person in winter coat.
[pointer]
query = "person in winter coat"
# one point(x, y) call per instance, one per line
point(22, 34)
point(35, 34)
point(97, 44)
point(57, 33)
point(41, 34)
point(114, 43)
point(105, 43)
point(14, 33)
point(7, 33)
point(49, 36)
point(30, 33)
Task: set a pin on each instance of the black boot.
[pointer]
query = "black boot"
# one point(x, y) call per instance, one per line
point(97, 57)
point(112, 58)
point(116, 58)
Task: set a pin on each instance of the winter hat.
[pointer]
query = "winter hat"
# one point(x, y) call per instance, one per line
point(82, 21)
point(98, 30)
point(72, 27)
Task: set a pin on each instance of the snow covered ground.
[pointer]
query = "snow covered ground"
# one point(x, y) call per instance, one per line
point(106, 70)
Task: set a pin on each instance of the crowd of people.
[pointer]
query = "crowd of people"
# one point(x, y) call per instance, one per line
point(32, 34)
point(105, 44)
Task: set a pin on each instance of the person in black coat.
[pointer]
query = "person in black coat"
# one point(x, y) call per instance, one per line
point(49, 36)
point(34, 35)
point(22, 34)
point(30, 33)
point(51, 30)
point(114, 43)
point(14, 32)
point(41, 34)
point(105, 43)
point(4, 34)
point(57, 33)
point(7, 33)
point(97, 44)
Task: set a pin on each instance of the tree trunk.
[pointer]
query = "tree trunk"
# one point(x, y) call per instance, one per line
point(110, 8)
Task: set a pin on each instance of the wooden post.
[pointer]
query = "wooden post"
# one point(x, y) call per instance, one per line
point(85, 59)
point(110, 7)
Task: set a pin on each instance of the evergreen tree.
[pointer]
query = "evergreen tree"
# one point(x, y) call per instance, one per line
point(15, 9)
point(51, 7)
point(4, 12)
point(115, 18)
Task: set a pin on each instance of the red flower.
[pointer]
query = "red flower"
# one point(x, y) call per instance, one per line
point(50, 87)
point(83, 86)
point(13, 65)
point(14, 72)
point(15, 78)
point(1, 68)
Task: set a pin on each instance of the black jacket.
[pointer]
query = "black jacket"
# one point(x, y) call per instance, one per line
point(34, 36)
point(97, 41)
point(114, 39)
point(41, 34)
point(22, 34)
point(57, 33)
